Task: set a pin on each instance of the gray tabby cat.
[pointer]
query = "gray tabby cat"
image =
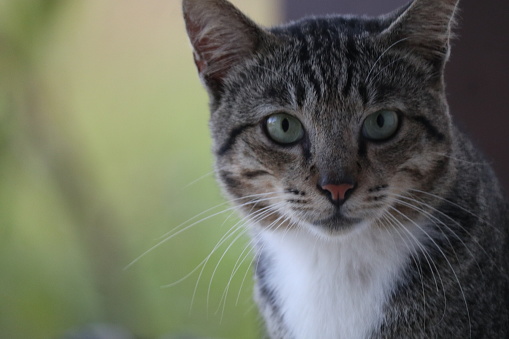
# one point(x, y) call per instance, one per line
point(371, 215)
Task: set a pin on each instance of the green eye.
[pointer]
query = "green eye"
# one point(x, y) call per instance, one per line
point(380, 125)
point(284, 128)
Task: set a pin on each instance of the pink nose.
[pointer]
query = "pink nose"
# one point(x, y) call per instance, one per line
point(337, 192)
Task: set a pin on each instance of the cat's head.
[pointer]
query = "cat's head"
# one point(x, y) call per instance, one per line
point(329, 122)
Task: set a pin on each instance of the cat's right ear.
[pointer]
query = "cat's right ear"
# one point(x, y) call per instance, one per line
point(424, 27)
point(221, 36)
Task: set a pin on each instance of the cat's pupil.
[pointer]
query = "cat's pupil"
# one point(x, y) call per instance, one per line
point(285, 125)
point(380, 120)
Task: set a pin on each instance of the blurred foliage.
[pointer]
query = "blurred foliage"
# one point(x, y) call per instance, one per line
point(103, 124)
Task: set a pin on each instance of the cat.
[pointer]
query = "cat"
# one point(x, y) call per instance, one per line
point(370, 214)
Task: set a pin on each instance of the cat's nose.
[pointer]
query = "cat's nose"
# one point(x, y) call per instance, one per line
point(338, 192)
point(337, 185)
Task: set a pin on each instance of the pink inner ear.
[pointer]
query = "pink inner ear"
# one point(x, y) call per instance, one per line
point(211, 61)
point(200, 63)
point(221, 36)
point(204, 50)
point(193, 30)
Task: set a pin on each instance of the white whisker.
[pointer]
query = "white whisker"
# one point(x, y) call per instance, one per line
point(239, 225)
point(433, 219)
point(452, 204)
point(235, 229)
point(183, 227)
point(436, 220)
point(251, 217)
point(225, 293)
point(459, 159)
point(439, 248)
point(380, 57)
point(221, 241)
point(199, 179)
point(228, 202)
point(427, 256)
point(385, 67)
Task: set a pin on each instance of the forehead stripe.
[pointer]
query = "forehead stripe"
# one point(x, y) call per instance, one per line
point(430, 128)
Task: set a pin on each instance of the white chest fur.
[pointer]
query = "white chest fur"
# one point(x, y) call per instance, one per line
point(332, 289)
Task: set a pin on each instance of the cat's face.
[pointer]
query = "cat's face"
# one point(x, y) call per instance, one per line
point(330, 123)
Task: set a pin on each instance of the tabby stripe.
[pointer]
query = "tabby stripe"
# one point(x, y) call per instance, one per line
point(307, 70)
point(232, 138)
point(300, 93)
point(253, 174)
point(268, 294)
point(351, 53)
point(295, 30)
point(415, 172)
point(362, 151)
point(348, 85)
point(430, 128)
point(229, 180)
point(303, 54)
point(314, 81)
point(363, 92)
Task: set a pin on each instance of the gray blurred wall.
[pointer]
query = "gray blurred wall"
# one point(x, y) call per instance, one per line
point(477, 74)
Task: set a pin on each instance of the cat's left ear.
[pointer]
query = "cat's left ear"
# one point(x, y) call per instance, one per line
point(222, 37)
point(424, 27)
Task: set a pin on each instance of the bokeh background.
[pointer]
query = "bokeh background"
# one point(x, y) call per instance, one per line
point(104, 148)
point(105, 151)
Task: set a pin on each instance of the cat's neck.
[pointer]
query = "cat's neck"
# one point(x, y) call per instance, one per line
point(325, 287)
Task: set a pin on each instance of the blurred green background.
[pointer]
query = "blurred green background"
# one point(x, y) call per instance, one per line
point(103, 132)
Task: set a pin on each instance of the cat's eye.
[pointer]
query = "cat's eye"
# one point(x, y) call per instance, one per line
point(380, 125)
point(284, 128)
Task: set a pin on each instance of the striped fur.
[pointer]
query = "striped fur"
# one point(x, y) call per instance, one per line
point(419, 247)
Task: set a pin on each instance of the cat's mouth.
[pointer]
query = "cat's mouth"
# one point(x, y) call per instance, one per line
point(337, 222)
